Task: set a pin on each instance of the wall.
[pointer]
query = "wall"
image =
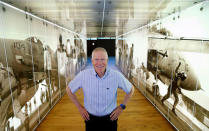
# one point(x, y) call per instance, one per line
point(169, 65)
point(37, 60)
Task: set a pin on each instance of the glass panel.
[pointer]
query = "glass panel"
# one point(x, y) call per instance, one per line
point(182, 97)
point(8, 83)
point(20, 65)
point(38, 60)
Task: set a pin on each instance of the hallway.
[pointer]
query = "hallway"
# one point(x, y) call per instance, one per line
point(65, 116)
point(161, 46)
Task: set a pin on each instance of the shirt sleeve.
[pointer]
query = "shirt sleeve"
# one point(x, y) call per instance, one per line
point(76, 83)
point(124, 84)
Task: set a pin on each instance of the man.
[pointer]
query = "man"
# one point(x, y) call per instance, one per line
point(99, 85)
point(130, 62)
point(174, 87)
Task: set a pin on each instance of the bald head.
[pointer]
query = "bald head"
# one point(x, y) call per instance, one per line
point(99, 49)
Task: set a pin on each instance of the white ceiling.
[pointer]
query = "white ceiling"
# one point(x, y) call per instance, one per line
point(119, 16)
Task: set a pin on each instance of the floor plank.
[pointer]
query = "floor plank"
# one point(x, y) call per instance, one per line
point(139, 115)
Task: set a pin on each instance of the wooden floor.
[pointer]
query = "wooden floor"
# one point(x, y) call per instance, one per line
point(139, 115)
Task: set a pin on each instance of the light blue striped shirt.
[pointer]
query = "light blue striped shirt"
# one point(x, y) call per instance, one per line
point(100, 94)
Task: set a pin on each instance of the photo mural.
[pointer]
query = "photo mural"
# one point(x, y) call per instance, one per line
point(124, 58)
point(177, 80)
point(171, 66)
point(174, 78)
point(37, 59)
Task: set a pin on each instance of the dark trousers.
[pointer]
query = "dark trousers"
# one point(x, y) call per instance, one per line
point(100, 123)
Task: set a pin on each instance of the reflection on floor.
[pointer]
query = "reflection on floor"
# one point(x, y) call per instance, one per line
point(139, 114)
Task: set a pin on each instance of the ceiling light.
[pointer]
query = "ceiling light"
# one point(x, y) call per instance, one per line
point(103, 18)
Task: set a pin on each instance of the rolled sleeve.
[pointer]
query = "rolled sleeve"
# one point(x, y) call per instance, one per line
point(124, 84)
point(76, 83)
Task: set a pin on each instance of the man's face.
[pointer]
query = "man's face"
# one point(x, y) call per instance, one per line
point(99, 62)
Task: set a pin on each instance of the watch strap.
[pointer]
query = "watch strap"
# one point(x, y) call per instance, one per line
point(123, 106)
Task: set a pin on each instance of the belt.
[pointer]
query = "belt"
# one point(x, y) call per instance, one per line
point(93, 117)
point(100, 118)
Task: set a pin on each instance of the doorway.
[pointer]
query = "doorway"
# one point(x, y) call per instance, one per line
point(108, 44)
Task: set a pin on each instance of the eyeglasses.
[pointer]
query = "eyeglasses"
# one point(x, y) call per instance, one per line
point(102, 60)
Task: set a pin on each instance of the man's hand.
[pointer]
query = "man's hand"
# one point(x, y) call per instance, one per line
point(179, 90)
point(81, 109)
point(83, 113)
point(115, 114)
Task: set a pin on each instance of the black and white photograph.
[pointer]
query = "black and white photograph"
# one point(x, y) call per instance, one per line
point(104, 65)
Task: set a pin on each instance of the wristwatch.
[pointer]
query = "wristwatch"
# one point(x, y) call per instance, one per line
point(123, 106)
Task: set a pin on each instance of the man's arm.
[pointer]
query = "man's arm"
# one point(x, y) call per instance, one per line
point(115, 114)
point(128, 96)
point(81, 109)
point(177, 68)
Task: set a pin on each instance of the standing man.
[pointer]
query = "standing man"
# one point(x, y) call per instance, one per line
point(130, 62)
point(174, 87)
point(100, 110)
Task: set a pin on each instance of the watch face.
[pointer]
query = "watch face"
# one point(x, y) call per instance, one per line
point(122, 106)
